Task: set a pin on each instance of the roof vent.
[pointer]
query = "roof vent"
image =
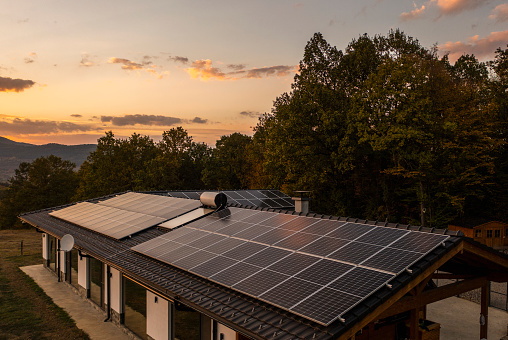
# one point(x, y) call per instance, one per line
point(302, 201)
point(213, 199)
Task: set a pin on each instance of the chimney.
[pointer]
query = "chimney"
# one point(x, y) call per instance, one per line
point(302, 201)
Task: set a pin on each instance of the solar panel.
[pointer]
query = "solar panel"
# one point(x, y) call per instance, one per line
point(257, 198)
point(318, 269)
point(126, 214)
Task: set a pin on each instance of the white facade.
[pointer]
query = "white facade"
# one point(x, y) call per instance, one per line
point(45, 246)
point(83, 272)
point(225, 333)
point(158, 317)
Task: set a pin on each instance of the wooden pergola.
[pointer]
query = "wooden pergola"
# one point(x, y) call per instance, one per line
point(474, 264)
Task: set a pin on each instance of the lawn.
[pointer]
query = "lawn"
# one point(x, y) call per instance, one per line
point(26, 312)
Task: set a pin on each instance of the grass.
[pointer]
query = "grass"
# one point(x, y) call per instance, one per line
point(26, 312)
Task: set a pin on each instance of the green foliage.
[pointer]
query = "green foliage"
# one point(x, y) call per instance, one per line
point(46, 182)
point(228, 168)
point(386, 130)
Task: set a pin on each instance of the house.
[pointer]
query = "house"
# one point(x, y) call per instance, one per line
point(232, 266)
point(491, 233)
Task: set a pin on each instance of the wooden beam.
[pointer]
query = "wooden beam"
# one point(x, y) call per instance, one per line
point(449, 276)
point(411, 302)
point(414, 325)
point(375, 314)
point(484, 311)
point(486, 254)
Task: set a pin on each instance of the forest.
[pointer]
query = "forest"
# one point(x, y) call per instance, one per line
point(383, 130)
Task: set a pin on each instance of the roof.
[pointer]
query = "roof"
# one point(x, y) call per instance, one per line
point(472, 222)
point(241, 312)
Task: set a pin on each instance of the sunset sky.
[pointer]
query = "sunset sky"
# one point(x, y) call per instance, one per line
point(71, 70)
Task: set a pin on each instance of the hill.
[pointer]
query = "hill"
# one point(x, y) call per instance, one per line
point(12, 153)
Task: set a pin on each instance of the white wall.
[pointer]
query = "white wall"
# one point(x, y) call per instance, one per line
point(116, 289)
point(229, 334)
point(61, 254)
point(158, 317)
point(45, 246)
point(83, 272)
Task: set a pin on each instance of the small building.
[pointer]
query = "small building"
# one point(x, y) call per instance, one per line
point(245, 265)
point(491, 233)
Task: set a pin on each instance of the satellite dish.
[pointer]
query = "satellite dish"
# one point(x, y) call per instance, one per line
point(67, 243)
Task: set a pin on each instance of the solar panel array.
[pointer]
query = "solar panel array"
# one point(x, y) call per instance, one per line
point(274, 199)
point(126, 214)
point(315, 268)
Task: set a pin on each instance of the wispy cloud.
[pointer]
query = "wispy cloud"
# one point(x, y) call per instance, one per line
point(199, 120)
point(251, 114)
point(449, 7)
point(14, 85)
point(178, 59)
point(146, 65)
point(30, 58)
point(76, 116)
point(86, 60)
point(149, 120)
point(141, 120)
point(203, 69)
point(500, 13)
point(480, 47)
point(28, 126)
point(414, 14)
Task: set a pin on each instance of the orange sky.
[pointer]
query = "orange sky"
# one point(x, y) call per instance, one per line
point(70, 71)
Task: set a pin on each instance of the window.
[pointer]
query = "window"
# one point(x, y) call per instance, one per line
point(135, 307)
point(72, 267)
point(478, 233)
point(187, 323)
point(96, 281)
point(497, 233)
point(489, 233)
point(52, 253)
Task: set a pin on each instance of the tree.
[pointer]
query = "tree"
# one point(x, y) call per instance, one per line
point(228, 167)
point(45, 182)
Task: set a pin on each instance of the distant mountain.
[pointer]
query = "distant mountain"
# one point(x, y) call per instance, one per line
point(12, 153)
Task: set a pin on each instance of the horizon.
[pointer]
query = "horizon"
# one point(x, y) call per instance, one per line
point(72, 71)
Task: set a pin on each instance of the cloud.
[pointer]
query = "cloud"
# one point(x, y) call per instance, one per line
point(279, 71)
point(129, 65)
point(480, 47)
point(86, 60)
point(14, 85)
point(76, 116)
point(141, 120)
point(236, 67)
point(28, 126)
point(31, 58)
point(251, 114)
point(500, 13)
point(178, 59)
point(414, 14)
point(203, 69)
point(449, 7)
point(198, 120)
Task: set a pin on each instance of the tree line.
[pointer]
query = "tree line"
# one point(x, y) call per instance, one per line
point(384, 130)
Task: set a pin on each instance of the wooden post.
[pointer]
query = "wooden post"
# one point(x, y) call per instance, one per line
point(484, 311)
point(414, 326)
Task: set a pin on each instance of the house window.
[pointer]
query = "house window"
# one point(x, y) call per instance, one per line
point(489, 233)
point(72, 267)
point(135, 307)
point(187, 323)
point(96, 281)
point(478, 233)
point(497, 233)
point(52, 252)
